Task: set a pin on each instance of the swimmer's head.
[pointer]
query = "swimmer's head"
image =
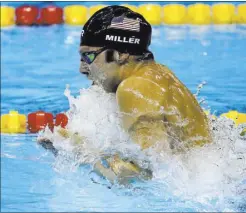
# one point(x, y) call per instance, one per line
point(110, 39)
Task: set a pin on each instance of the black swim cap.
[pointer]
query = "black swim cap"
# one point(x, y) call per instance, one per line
point(119, 28)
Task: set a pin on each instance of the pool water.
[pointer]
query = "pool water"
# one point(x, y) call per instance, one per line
point(36, 65)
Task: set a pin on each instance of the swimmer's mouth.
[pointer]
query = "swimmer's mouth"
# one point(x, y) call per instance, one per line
point(85, 73)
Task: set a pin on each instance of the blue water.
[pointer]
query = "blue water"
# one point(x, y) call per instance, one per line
point(37, 63)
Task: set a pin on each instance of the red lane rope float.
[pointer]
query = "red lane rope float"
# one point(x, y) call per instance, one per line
point(39, 120)
point(61, 120)
point(51, 15)
point(26, 15)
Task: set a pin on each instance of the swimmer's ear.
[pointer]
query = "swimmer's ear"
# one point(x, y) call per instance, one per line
point(115, 56)
point(123, 58)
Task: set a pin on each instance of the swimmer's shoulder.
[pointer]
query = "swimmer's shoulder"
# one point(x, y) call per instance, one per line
point(169, 82)
point(152, 67)
point(158, 73)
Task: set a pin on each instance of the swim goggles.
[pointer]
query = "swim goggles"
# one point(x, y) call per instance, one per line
point(89, 57)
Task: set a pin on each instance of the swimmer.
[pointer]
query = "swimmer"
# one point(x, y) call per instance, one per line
point(158, 110)
point(156, 105)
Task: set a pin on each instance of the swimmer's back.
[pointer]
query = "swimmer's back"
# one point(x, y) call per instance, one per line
point(153, 94)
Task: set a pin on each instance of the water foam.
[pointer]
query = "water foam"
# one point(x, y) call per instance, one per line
point(212, 175)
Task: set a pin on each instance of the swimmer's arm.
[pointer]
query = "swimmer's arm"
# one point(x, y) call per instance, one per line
point(187, 119)
point(112, 172)
point(146, 131)
point(195, 131)
point(139, 100)
point(146, 97)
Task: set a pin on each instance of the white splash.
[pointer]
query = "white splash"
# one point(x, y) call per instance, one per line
point(211, 175)
point(94, 115)
point(213, 172)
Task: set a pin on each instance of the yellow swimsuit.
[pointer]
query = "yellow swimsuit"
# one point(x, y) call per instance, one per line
point(156, 106)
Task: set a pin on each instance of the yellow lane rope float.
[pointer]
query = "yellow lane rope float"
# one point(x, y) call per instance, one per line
point(155, 14)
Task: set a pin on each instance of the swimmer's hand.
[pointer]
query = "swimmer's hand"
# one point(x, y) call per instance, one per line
point(76, 138)
point(47, 143)
point(122, 171)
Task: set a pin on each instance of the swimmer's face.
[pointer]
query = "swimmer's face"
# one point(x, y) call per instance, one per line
point(95, 65)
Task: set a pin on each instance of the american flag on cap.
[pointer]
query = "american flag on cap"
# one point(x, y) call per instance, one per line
point(124, 23)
